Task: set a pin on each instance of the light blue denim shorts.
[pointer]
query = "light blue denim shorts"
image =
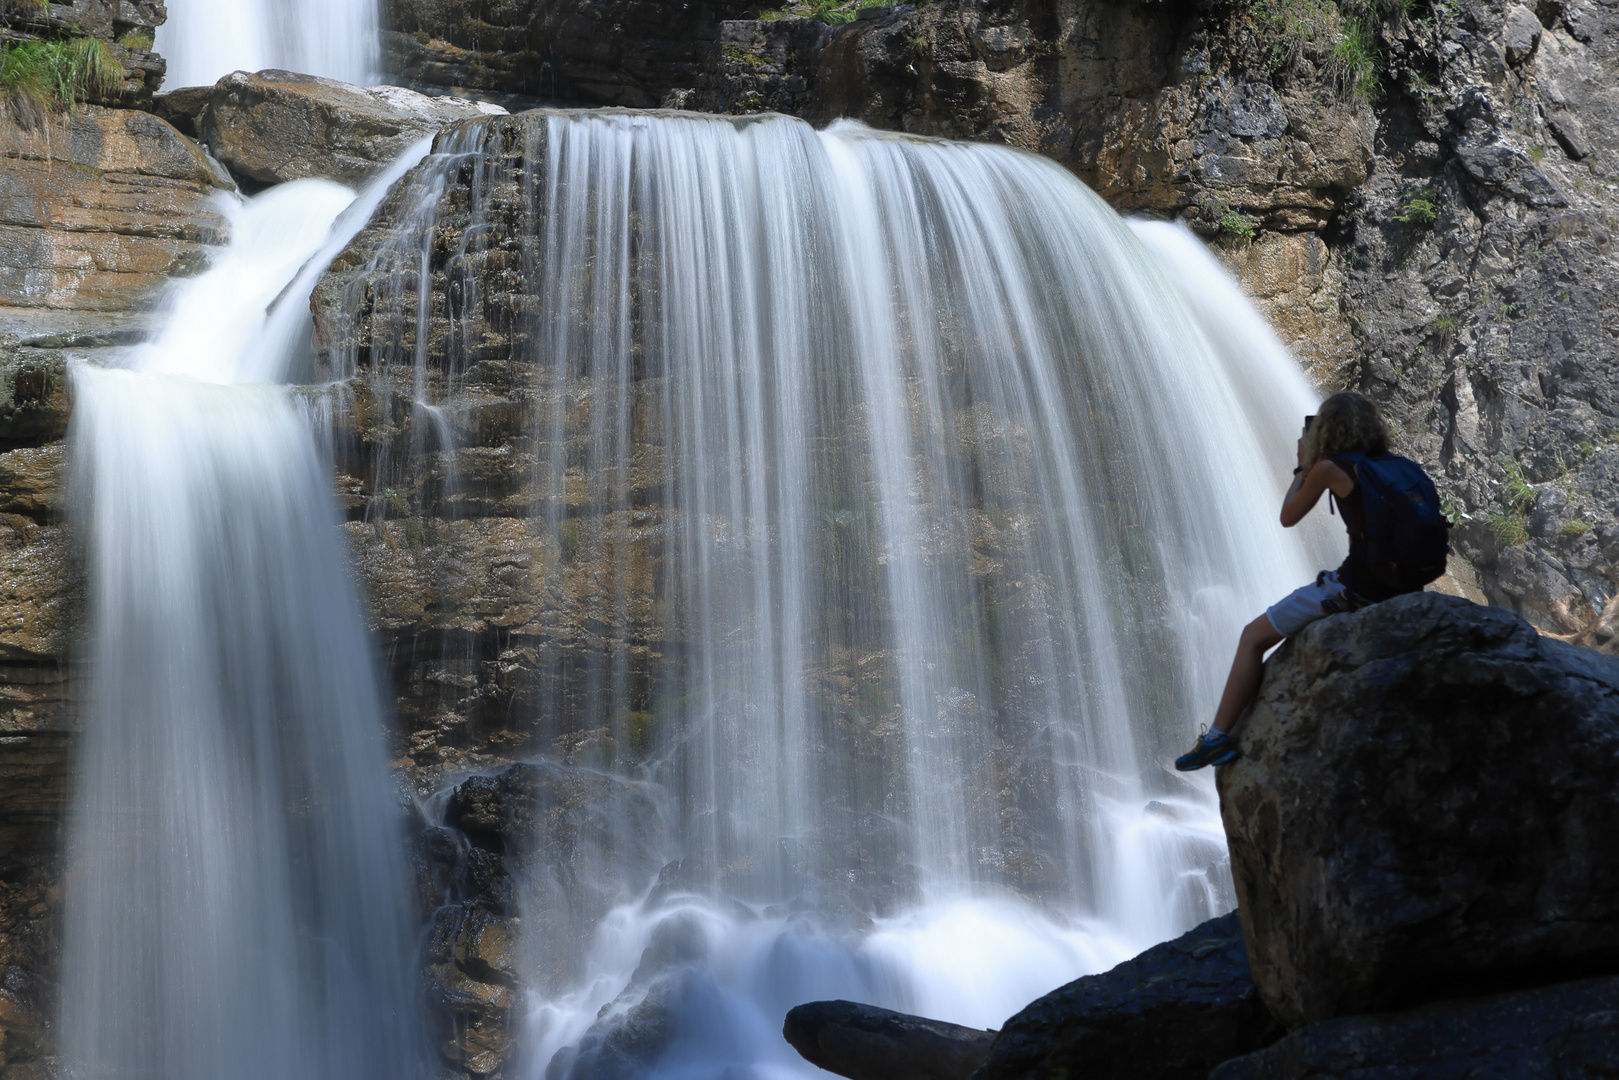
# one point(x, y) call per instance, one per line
point(1301, 607)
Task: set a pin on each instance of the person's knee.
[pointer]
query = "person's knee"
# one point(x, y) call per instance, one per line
point(1260, 634)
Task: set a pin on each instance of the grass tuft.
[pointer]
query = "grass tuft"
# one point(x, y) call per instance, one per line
point(1509, 529)
point(38, 77)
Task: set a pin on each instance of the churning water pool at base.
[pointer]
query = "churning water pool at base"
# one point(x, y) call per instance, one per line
point(880, 373)
point(721, 977)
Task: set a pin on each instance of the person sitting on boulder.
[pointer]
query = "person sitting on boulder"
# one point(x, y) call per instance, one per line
point(1398, 539)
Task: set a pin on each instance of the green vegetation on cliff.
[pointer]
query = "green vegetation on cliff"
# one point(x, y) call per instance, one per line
point(43, 76)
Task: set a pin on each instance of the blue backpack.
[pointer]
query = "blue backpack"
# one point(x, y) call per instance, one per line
point(1407, 534)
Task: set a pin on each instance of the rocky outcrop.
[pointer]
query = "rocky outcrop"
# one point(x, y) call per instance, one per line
point(124, 27)
point(101, 209)
point(867, 1043)
point(1479, 279)
point(1175, 1011)
point(1423, 810)
point(274, 126)
point(1570, 1031)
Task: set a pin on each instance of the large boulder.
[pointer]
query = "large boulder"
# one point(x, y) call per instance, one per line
point(1425, 809)
point(275, 126)
point(1174, 1012)
point(867, 1043)
point(1570, 1031)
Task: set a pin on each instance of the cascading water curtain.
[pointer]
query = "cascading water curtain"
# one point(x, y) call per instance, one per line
point(237, 903)
point(205, 40)
point(926, 488)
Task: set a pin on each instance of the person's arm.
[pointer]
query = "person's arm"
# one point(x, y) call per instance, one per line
point(1308, 487)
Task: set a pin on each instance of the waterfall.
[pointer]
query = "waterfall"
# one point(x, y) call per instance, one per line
point(919, 500)
point(238, 906)
point(205, 40)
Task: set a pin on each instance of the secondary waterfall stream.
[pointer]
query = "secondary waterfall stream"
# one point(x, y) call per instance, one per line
point(238, 908)
point(920, 499)
point(205, 40)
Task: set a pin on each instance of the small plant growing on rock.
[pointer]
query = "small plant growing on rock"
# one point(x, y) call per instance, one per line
point(742, 56)
point(1509, 529)
point(38, 77)
point(1236, 224)
point(569, 538)
point(1520, 495)
point(1418, 208)
point(1355, 56)
point(1574, 527)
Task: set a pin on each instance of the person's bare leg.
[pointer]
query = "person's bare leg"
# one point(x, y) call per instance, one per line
point(1243, 682)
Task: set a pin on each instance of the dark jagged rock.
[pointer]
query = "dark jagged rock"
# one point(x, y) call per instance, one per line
point(1480, 326)
point(1175, 1011)
point(1425, 809)
point(1570, 1031)
point(867, 1043)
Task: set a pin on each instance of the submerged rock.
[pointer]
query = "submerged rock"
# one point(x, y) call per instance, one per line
point(867, 1043)
point(1177, 1010)
point(275, 126)
point(1425, 809)
point(1570, 1031)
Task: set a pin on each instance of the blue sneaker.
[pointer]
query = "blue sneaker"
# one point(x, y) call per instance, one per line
point(1211, 748)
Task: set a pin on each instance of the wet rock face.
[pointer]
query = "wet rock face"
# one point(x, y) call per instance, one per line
point(1175, 1011)
point(513, 885)
point(614, 53)
point(1423, 810)
point(99, 212)
point(40, 610)
point(274, 126)
point(526, 586)
point(1570, 1030)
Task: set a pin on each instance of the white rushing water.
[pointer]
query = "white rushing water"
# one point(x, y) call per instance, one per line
point(205, 40)
point(238, 906)
point(963, 487)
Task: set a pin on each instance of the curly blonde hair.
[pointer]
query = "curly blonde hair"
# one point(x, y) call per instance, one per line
point(1344, 423)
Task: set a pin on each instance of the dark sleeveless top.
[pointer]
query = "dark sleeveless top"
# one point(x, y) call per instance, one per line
point(1353, 573)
